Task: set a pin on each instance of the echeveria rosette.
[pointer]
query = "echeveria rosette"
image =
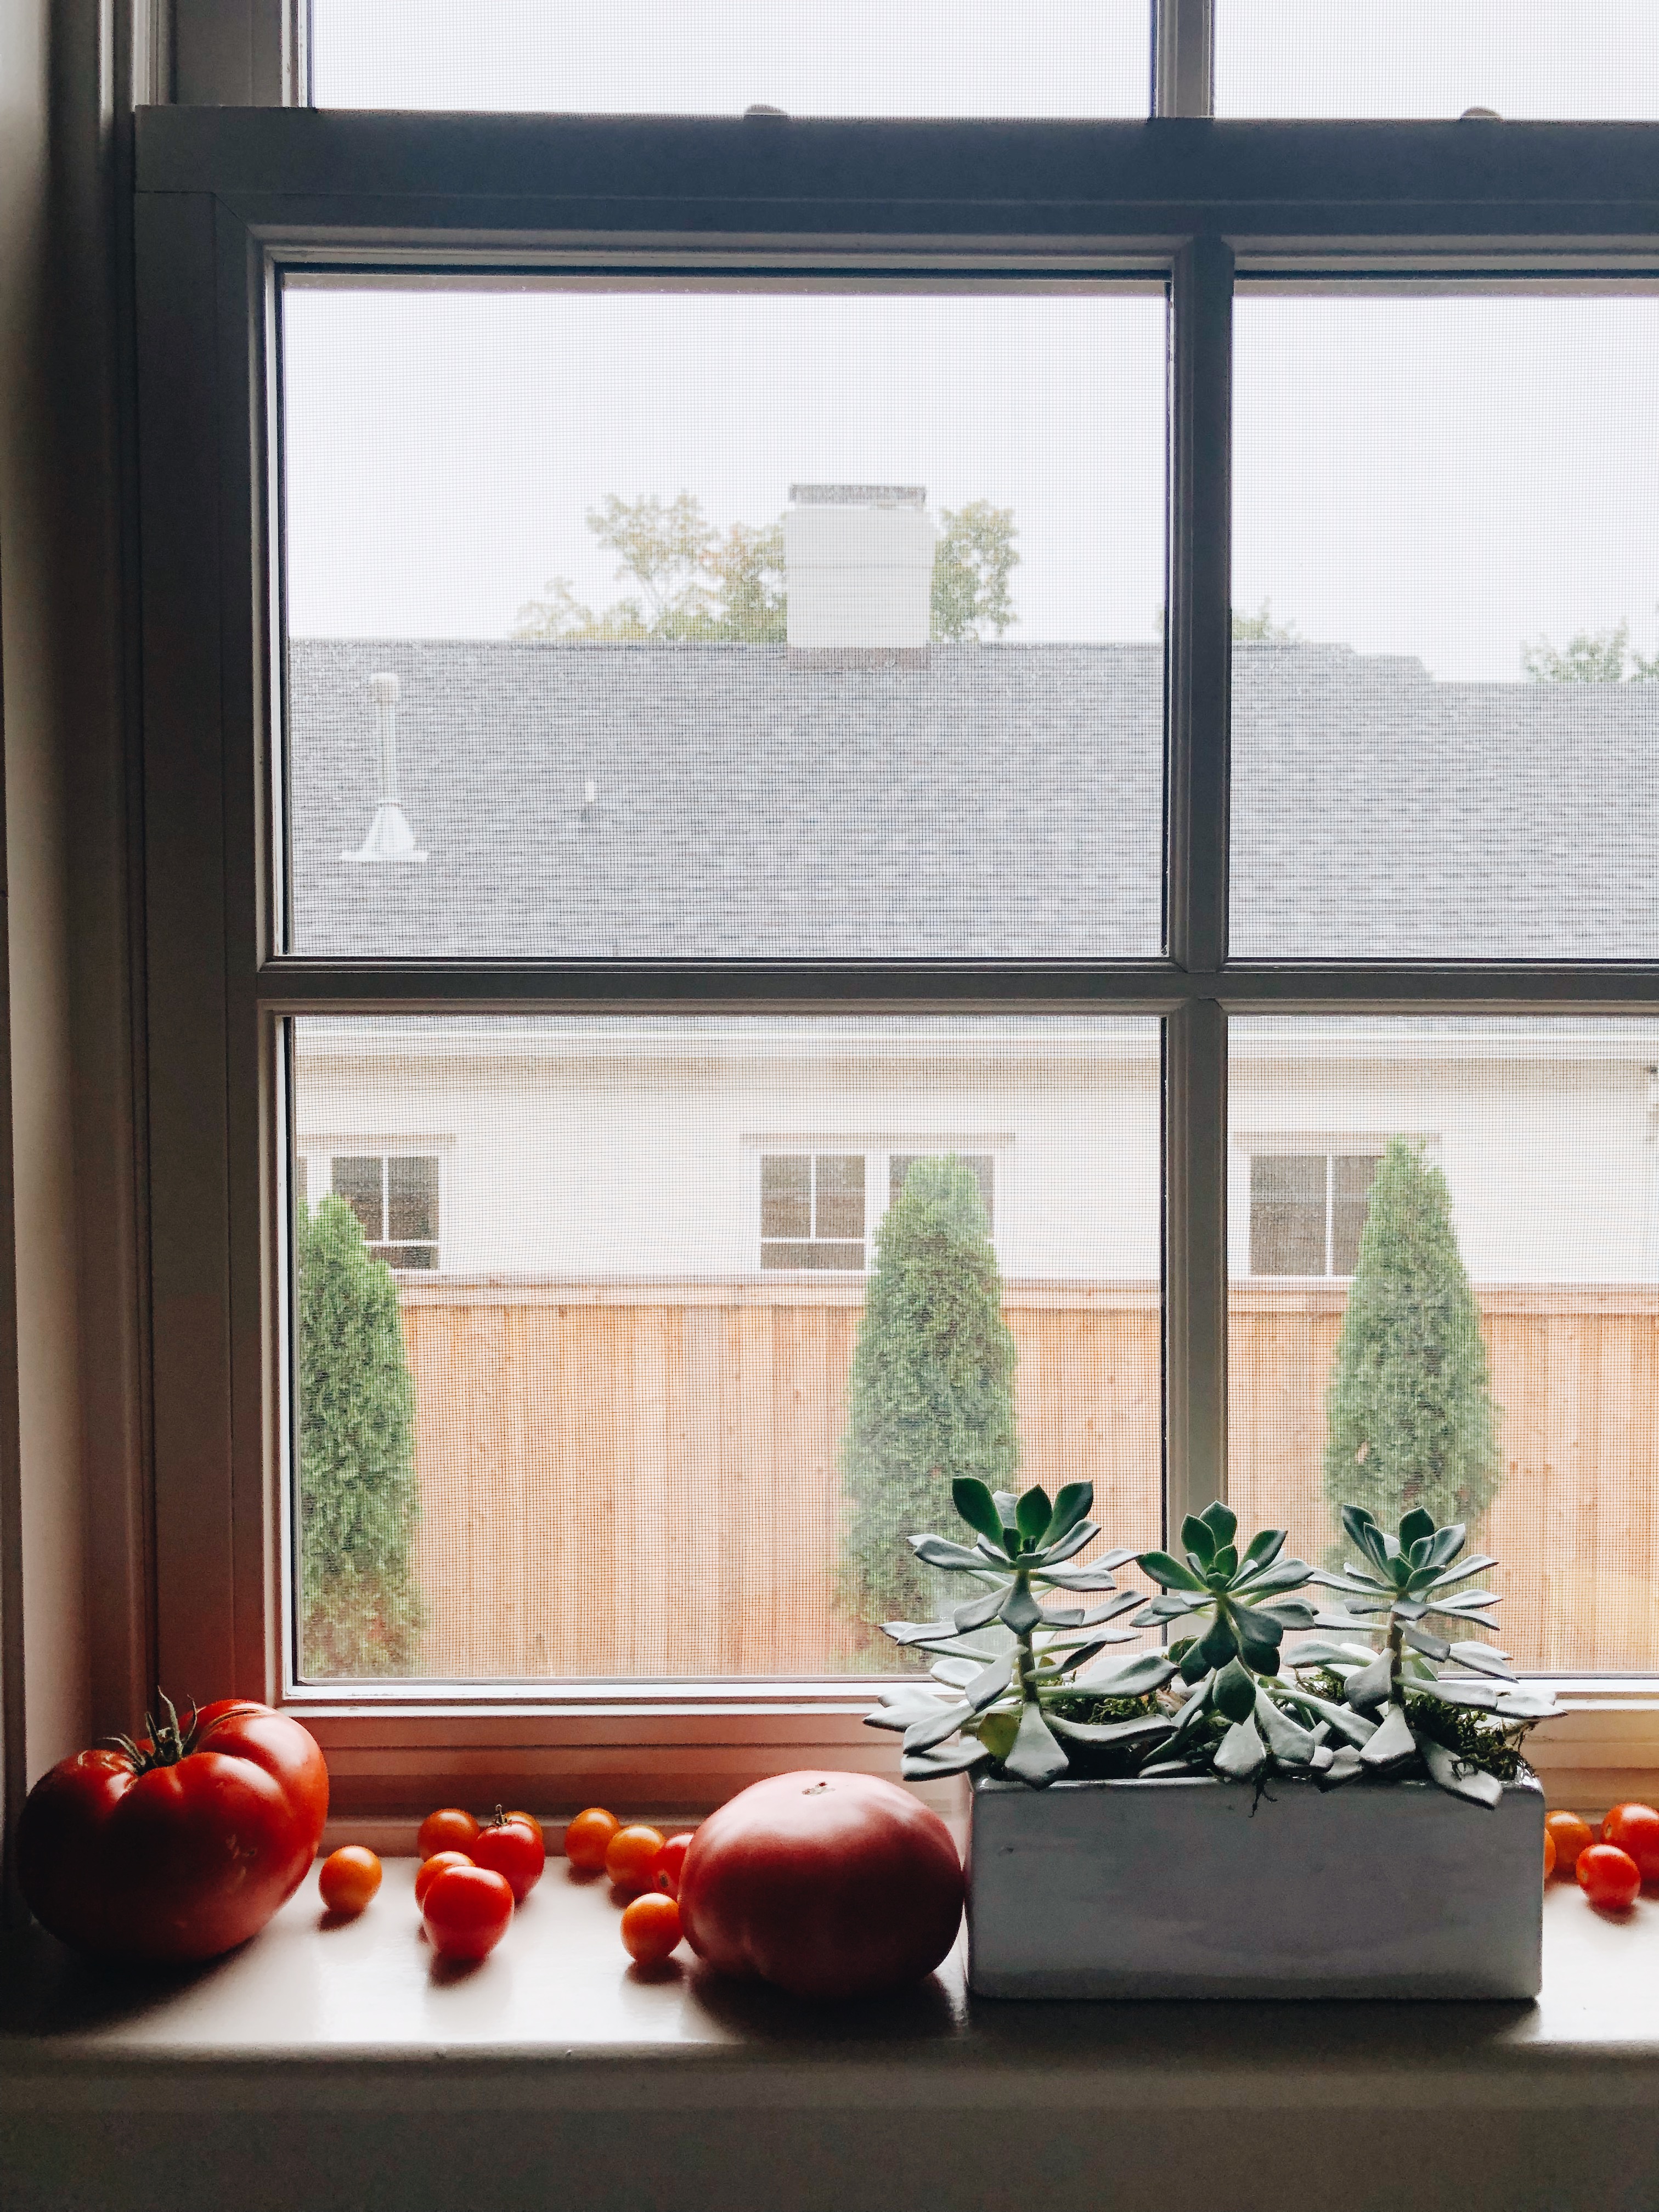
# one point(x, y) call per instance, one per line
point(1407, 1579)
point(1244, 1605)
point(994, 1704)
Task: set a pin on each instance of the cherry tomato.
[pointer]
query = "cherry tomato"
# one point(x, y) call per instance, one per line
point(350, 1878)
point(510, 1846)
point(1549, 1854)
point(1635, 1830)
point(588, 1838)
point(1572, 1836)
point(466, 1911)
point(830, 1884)
point(631, 1855)
point(432, 1867)
point(449, 1829)
point(650, 1928)
point(1609, 1877)
point(665, 1874)
point(530, 1822)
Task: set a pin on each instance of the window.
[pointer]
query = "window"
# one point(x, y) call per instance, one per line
point(394, 1196)
point(1307, 1211)
point(1193, 864)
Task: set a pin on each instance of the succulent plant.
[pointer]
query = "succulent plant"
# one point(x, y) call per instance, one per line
point(1407, 1579)
point(996, 1701)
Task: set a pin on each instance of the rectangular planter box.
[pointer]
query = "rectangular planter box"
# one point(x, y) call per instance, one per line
point(1197, 1888)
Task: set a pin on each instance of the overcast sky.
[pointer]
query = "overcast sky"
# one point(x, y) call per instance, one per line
point(1447, 477)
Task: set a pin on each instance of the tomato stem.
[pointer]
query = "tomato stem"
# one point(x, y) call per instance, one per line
point(165, 1741)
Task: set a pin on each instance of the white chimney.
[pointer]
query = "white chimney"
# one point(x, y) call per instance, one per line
point(858, 564)
point(390, 838)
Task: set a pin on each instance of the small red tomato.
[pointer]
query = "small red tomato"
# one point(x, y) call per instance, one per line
point(1635, 1830)
point(1571, 1834)
point(432, 1867)
point(1549, 1854)
point(449, 1829)
point(665, 1874)
point(350, 1878)
point(530, 1822)
point(631, 1855)
point(1609, 1877)
point(651, 1928)
point(466, 1911)
point(509, 1846)
point(588, 1838)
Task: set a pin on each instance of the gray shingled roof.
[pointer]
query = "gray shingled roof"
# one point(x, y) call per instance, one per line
point(1006, 799)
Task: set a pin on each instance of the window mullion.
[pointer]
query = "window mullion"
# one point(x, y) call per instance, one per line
point(1183, 57)
point(1195, 1258)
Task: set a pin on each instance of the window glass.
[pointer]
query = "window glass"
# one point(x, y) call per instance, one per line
point(1495, 1355)
point(1287, 1213)
point(699, 623)
point(1445, 695)
point(1551, 59)
point(608, 1437)
point(719, 56)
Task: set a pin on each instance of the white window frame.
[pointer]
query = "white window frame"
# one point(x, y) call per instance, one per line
point(1306, 1143)
point(319, 1154)
point(877, 1152)
point(221, 202)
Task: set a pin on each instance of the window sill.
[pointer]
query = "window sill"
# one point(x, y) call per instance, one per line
point(337, 2067)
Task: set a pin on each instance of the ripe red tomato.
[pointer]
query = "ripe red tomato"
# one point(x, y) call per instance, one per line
point(1572, 1835)
point(509, 1846)
point(350, 1878)
point(466, 1911)
point(179, 1846)
point(530, 1821)
point(829, 1884)
point(631, 1855)
point(1635, 1830)
point(651, 1928)
point(432, 1867)
point(1609, 1877)
point(588, 1838)
point(1549, 1854)
point(449, 1829)
point(665, 1872)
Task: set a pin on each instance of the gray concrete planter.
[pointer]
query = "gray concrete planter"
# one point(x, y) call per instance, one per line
point(1194, 1888)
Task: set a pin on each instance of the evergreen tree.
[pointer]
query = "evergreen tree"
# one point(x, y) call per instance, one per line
point(931, 1389)
point(360, 1612)
point(1409, 1416)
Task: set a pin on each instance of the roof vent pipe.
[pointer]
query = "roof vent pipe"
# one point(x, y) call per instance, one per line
point(390, 838)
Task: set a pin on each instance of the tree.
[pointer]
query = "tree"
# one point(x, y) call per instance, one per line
point(1589, 656)
point(1261, 628)
point(975, 557)
point(360, 1611)
point(931, 1389)
point(1409, 1416)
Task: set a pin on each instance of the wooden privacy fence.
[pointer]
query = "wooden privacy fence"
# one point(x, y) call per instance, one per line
point(643, 1479)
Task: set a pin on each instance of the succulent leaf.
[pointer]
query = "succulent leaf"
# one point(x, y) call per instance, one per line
point(939, 1551)
point(1393, 1743)
point(1458, 1776)
point(973, 1502)
point(1071, 1505)
point(1036, 1758)
point(1133, 1678)
point(1020, 1610)
point(1050, 1555)
point(1223, 1522)
point(1033, 1513)
point(1167, 1572)
point(1240, 1754)
point(979, 1610)
point(927, 1733)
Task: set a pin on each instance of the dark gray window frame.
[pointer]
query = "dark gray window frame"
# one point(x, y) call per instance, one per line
point(224, 197)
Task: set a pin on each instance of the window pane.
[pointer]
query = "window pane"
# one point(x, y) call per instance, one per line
point(834, 633)
point(1496, 1356)
point(719, 56)
point(411, 1198)
point(786, 1194)
point(1351, 1189)
point(1445, 710)
point(1287, 1214)
point(619, 1433)
point(979, 1165)
point(840, 1194)
point(358, 1180)
point(1552, 60)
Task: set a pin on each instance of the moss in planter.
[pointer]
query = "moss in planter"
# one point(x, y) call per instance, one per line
point(1102, 1762)
point(1474, 1736)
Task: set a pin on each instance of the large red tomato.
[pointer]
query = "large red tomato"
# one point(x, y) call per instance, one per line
point(829, 1884)
point(180, 1846)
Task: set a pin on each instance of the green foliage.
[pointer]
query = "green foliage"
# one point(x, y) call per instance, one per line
point(1261, 628)
point(1409, 1415)
point(695, 586)
point(1589, 656)
point(360, 1612)
point(931, 1394)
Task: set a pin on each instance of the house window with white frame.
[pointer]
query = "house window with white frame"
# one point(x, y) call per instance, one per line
point(819, 1209)
point(1308, 1209)
point(395, 1195)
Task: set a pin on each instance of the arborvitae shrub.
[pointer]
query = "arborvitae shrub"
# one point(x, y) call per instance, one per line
point(1409, 1413)
point(932, 1388)
point(360, 1611)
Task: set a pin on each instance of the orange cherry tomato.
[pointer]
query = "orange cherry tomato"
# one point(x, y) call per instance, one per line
point(666, 1874)
point(588, 1838)
point(449, 1829)
point(1549, 1854)
point(530, 1822)
point(651, 1926)
point(1635, 1830)
point(466, 1911)
point(631, 1855)
point(432, 1867)
point(1609, 1877)
point(510, 1846)
point(1572, 1836)
point(350, 1878)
